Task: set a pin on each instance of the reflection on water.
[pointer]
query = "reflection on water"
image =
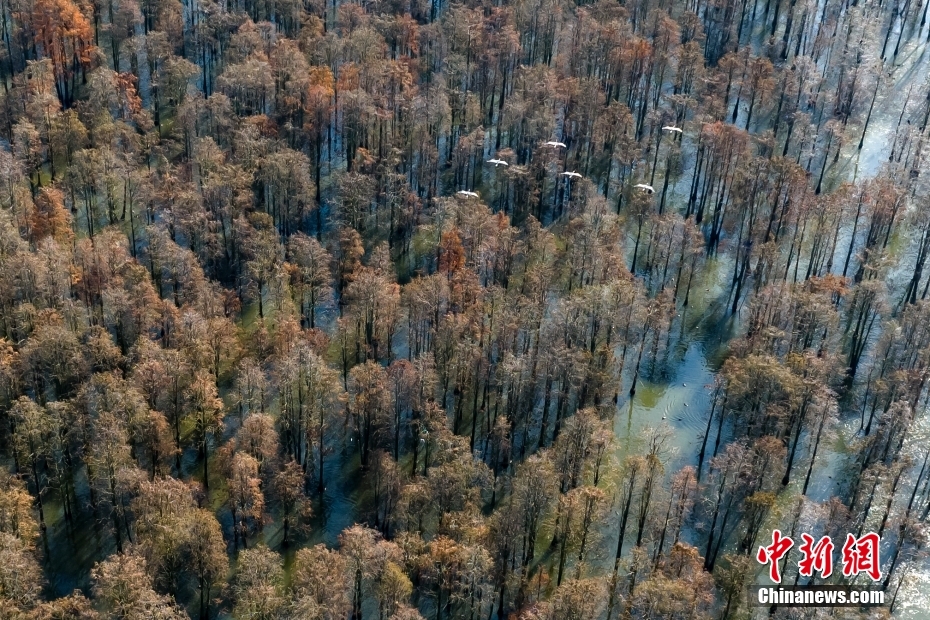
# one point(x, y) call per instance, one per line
point(678, 397)
point(682, 397)
point(682, 403)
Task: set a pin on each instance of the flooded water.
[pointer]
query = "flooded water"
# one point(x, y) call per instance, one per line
point(681, 400)
point(679, 397)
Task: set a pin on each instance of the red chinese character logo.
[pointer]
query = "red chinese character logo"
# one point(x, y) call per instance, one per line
point(774, 552)
point(861, 556)
point(816, 556)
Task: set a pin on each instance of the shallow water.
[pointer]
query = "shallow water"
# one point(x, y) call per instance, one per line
point(680, 399)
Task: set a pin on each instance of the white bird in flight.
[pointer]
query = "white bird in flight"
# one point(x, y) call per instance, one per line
point(672, 129)
point(498, 162)
point(554, 143)
point(646, 188)
point(571, 174)
point(467, 193)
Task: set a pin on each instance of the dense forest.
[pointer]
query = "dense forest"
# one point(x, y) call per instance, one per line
point(370, 310)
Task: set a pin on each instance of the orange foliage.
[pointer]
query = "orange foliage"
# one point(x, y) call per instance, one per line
point(348, 77)
point(319, 96)
point(50, 218)
point(451, 252)
point(130, 103)
point(62, 33)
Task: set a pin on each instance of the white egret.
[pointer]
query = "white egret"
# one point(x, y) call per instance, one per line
point(672, 129)
point(556, 144)
point(498, 162)
point(646, 188)
point(572, 175)
point(467, 193)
